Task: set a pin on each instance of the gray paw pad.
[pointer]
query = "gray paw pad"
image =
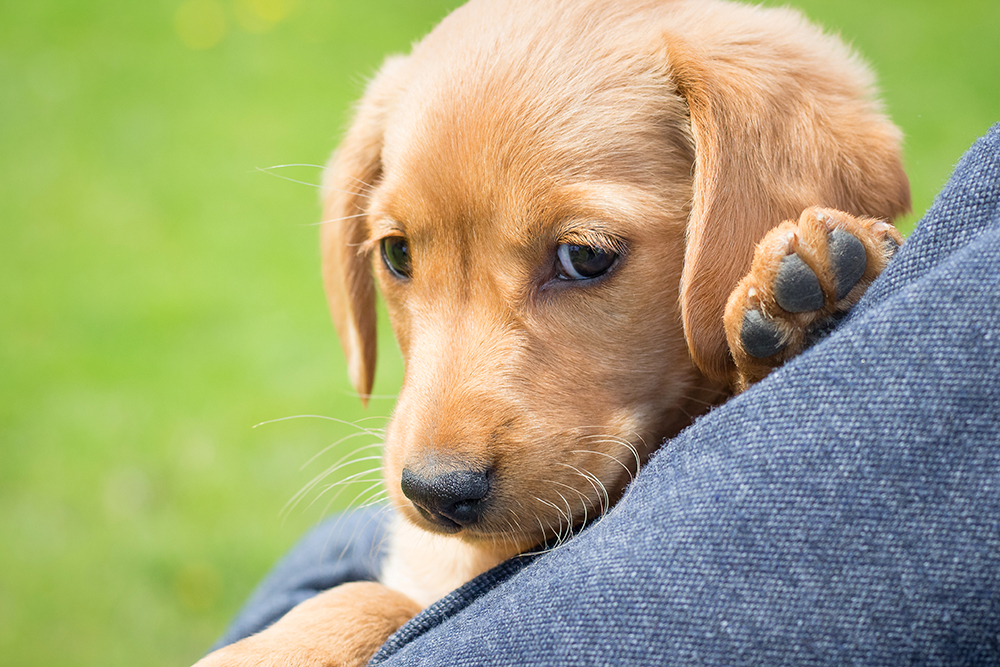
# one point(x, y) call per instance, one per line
point(796, 288)
point(761, 338)
point(849, 259)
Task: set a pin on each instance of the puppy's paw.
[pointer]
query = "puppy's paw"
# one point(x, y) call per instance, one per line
point(341, 627)
point(805, 275)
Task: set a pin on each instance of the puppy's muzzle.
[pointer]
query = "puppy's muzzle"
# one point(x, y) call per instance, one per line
point(450, 498)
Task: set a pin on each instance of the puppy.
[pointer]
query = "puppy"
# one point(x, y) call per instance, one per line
point(590, 220)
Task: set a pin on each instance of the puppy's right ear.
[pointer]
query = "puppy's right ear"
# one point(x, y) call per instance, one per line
point(350, 176)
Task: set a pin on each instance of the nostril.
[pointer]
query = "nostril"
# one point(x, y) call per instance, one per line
point(457, 495)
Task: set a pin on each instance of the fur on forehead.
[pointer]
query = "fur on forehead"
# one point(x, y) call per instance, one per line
point(495, 104)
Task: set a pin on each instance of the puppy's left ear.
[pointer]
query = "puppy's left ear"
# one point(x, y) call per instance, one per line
point(350, 175)
point(781, 118)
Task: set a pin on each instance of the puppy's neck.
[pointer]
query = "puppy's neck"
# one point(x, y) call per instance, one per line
point(426, 567)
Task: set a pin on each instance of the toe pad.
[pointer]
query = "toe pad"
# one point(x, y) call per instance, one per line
point(849, 260)
point(796, 287)
point(761, 338)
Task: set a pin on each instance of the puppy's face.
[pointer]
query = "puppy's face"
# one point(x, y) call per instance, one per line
point(530, 259)
point(556, 200)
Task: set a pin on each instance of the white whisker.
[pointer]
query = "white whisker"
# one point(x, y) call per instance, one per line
point(338, 466)
point(559, 530)
point(607, 456)
point(332, 220)
point(295, 164)
point(338, 442)
point(269, 171)
point(343, 483)
point(324, 417)
point(594, 480)
point(365, 187)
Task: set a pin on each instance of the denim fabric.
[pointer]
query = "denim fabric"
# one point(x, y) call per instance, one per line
point(846, 510)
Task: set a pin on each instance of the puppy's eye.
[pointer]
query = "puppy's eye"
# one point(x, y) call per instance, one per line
point(580, 262)
point(396, 256)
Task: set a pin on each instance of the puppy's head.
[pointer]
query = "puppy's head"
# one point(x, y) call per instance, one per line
point(555, 200)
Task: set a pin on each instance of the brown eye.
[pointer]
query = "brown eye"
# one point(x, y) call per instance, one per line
point(582, 262)
point(396, 256)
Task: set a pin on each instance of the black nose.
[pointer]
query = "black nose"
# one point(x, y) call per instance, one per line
point(452, 498)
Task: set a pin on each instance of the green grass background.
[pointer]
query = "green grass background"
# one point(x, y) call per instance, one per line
point(159, 295)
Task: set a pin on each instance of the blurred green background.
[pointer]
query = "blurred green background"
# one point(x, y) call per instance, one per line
point(160, 294)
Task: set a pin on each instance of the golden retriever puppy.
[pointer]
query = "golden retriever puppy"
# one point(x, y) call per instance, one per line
point(561, 202)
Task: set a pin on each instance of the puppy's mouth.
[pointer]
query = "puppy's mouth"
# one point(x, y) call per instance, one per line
point(450, 499)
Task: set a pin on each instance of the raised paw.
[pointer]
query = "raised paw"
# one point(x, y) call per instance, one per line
point(805, 275)
point(340, 627)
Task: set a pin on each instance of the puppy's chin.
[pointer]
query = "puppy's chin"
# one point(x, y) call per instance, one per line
point(480, 531)
point(508, 538)
point(436, 523)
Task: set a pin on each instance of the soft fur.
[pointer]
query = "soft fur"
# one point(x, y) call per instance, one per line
point(677, 133)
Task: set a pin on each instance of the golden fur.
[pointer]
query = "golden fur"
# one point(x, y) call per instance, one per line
point(677, 133)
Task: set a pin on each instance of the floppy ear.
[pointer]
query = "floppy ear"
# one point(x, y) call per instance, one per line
point(352, 172)
point(782, 118)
